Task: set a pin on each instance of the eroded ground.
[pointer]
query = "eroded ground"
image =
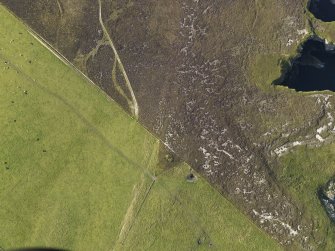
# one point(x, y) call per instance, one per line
point(201, 74)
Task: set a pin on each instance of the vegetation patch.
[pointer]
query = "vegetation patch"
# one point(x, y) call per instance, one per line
point(264, 69)
point(304, 172)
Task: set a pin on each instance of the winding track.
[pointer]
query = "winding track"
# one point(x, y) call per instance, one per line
point(117, 58)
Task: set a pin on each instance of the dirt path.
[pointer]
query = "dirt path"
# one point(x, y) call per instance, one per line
point(117, 58)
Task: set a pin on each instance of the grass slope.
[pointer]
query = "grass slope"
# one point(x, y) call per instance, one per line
point(75, 170)
point(303, 172)
point(180, 215)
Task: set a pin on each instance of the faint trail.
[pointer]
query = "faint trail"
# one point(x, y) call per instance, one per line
point(138, 211)
point(256, 15)
point(117, 86)
point(137, 203)
point(129, 215)
point(60, 8)
point(117, 58)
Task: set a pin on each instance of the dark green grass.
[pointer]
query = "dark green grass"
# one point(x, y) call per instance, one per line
point(303, 172)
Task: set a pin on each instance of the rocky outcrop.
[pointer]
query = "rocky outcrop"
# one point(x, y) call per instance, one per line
point(327, 197)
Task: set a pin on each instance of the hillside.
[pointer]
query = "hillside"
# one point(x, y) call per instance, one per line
point(79, 173)
point(200, 75)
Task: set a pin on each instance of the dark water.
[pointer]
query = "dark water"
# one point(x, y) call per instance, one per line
point(312, 70)
point(323, 9)
point(327, 197)
point(329, 206)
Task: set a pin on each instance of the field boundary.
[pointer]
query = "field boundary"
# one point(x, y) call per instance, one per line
point(68, 63)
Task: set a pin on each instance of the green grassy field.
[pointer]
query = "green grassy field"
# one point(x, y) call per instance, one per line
point(76, 170)
point(180, 215)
